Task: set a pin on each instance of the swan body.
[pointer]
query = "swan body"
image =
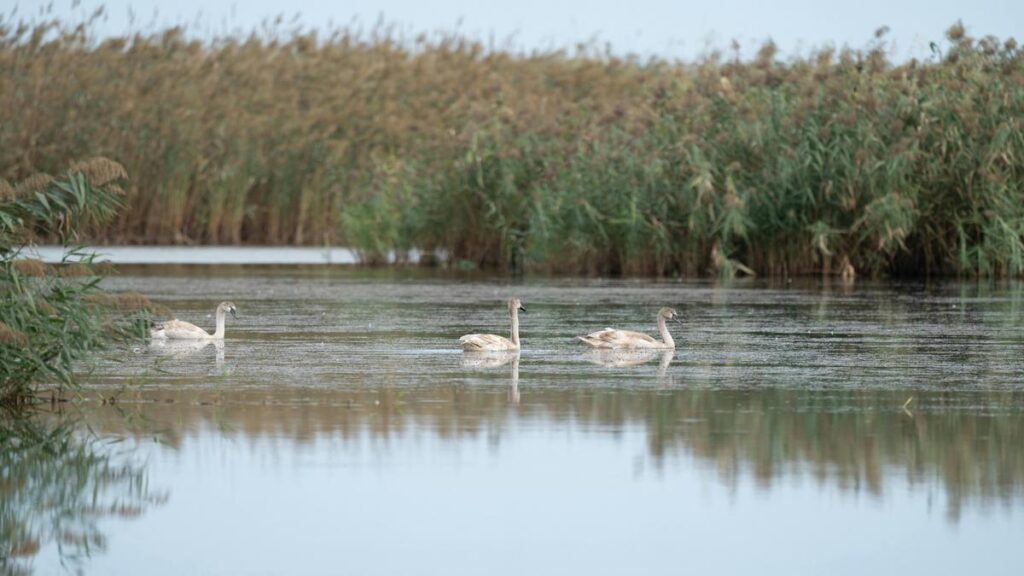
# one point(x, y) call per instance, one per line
point(612, 339)
point(181, 330)
point(493, 342)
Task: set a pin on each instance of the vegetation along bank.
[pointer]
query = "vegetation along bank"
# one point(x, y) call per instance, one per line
point(549, 161)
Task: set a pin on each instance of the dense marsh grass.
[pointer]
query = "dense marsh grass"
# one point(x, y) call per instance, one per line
point(839, 161)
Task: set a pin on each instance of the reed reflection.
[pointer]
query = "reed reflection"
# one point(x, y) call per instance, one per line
point(963, 445)
point(55, 488)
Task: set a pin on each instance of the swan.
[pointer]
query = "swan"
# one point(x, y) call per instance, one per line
point(493, 342)
point(610, 338)
point(180, 330)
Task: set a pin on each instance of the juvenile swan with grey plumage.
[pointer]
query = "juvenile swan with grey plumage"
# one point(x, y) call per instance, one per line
point(179, 330)
point(610, 338)
point(492, 342)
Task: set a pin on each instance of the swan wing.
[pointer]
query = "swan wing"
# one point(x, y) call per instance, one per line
point(612, 338)
point(179, 348)
point(474, 342)
point(178, 330)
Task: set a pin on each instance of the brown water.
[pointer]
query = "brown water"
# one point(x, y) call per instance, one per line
point(339, 430)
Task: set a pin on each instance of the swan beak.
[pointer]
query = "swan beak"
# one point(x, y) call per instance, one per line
point(676, 318)
point(234, 314)
point(523, 308)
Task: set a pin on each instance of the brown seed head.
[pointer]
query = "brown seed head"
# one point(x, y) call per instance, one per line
point(105, 300)
point(31, 267)
point(105, 268)
point(133, 301)
point(100, 171)
point(11, 337)
point(6, 191)
point(74, 271)
point(129, 302)
point(34, 183)
point(956, 32)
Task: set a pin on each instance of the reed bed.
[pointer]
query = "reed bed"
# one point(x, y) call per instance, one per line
point(842, 161)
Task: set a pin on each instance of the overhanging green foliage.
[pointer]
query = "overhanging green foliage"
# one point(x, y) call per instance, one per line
point(53, 316)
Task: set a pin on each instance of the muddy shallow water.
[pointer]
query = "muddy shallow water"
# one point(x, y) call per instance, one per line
point(338, 429)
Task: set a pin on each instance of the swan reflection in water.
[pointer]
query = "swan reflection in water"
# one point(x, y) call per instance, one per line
point(496, 360)
point(627, 358)
point(181, 349)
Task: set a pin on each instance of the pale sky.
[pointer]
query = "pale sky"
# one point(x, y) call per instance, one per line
point(682, 29)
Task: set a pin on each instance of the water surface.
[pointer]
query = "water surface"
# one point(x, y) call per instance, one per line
point(339, 429)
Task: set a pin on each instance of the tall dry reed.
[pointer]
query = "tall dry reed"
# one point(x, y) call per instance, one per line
point(841, 160)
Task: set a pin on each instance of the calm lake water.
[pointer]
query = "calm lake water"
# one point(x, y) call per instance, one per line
point(339, 429)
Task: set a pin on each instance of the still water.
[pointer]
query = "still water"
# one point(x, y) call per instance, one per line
point(340, 430)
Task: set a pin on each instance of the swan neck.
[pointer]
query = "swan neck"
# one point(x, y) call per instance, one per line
point(515, 327)
point(666, 336)
point(220, 325)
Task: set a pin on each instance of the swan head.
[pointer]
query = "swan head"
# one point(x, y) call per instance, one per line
point(228, 307)
point(515, 304)
point(669, 314)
